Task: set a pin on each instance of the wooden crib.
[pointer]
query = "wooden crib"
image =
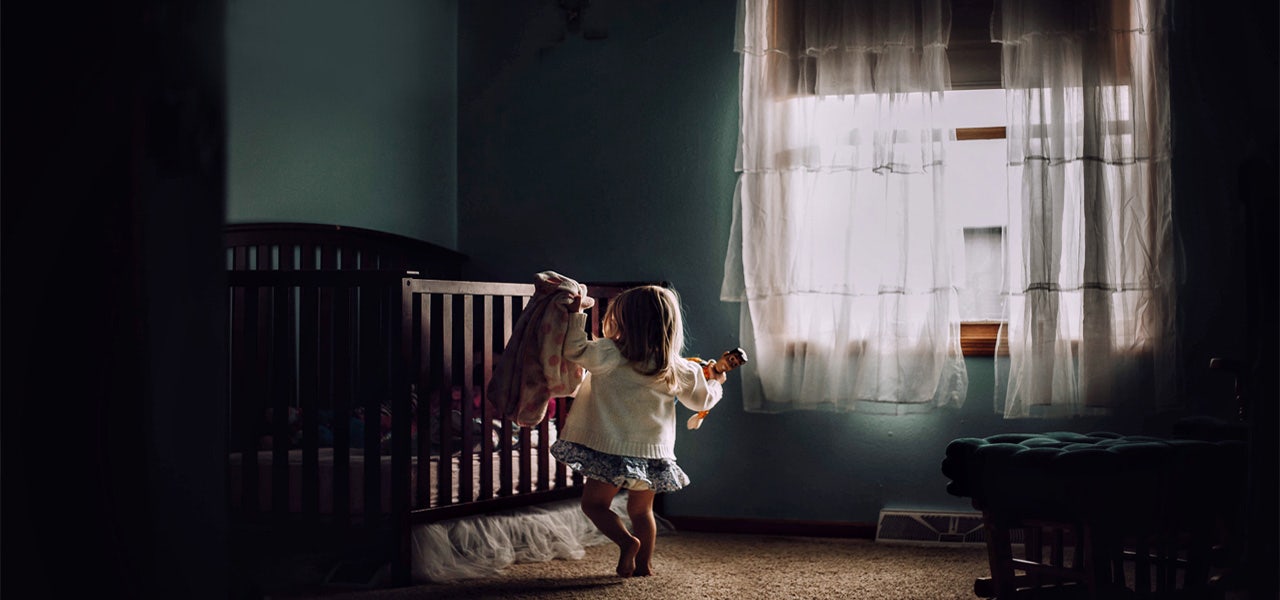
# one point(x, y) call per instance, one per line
point(377, 357)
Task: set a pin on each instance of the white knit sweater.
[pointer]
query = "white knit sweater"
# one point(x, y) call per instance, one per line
point(618, 410)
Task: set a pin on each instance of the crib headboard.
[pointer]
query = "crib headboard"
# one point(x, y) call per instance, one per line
point(311, 246)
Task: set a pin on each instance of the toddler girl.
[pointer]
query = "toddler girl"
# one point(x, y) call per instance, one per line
point(621, 430)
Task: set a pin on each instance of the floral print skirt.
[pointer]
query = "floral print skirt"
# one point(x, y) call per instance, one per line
point(628, 472)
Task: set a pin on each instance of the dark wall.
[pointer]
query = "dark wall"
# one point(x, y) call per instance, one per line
point(112, 383)
point(1226, 108)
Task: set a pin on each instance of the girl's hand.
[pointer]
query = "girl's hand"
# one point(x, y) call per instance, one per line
point(575, 305)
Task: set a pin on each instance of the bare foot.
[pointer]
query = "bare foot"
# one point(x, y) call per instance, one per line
point(643, 569)
point(627, 558)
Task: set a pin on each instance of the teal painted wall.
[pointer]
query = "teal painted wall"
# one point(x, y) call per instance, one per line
point(613, 159)
point(344, 113)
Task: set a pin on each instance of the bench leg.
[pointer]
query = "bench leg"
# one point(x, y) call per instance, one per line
point(1000, 558)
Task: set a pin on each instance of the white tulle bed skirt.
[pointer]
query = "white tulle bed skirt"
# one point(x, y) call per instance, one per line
point(483, 545)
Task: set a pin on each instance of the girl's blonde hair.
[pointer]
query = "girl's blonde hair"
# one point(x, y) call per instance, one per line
point(646, 324)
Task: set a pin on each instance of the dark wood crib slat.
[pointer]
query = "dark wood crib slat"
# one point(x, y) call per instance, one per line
point(343, 362)
point(422, 345)
point(308, 398)
point(506, 474)
point(246, 388)
point(486, 412)
point(397, 377)
point(444, 397)
point(544, 455)
point(370, 363)
point(328, 257)
point(562, 412)
point(262, 371)
point(264, 257)
point(324, 366)
point(466, 455)
point(309, 257)
point(282, 394)
point(287, 257)
point(525, 484)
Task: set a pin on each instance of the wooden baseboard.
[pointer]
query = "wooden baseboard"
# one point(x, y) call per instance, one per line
point(840, 529)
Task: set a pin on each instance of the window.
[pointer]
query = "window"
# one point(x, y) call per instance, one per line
point(976, 183)
point(886, 212)
point(977, 188)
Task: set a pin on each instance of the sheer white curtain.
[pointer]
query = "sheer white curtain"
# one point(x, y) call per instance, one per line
point(1090, 244)
point(839, 251)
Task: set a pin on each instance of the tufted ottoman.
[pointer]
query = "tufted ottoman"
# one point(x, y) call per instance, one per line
point(1153, 503)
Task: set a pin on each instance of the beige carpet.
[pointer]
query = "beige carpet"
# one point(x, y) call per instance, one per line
point(732, 567)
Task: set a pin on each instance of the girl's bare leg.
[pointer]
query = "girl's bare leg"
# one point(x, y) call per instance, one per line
point(640, 509)
point(597, 496)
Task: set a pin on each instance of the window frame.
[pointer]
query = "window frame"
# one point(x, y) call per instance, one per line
point(983, 338)
point(976, 59)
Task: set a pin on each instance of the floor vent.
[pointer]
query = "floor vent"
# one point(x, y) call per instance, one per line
point(930, 528)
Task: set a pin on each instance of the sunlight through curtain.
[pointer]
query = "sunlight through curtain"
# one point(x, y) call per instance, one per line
point(840, 247)
point(1091, 251)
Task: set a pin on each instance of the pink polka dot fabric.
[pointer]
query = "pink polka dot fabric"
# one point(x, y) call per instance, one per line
point(530, 372)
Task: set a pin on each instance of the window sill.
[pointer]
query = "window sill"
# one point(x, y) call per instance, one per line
point(983, 339)
point(977, 339)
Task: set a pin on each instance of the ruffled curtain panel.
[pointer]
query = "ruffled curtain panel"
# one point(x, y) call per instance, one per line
point(840, 246)
point(1091, 246)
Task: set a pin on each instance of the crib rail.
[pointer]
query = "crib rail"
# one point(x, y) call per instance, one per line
point(477, 318)
point(309, 347)
point(311, 246)
point(303, 344)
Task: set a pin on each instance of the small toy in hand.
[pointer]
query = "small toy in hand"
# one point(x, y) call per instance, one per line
point(728, 361)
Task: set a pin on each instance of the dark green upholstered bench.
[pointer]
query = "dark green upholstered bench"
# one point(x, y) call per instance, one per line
point(1139, 514)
